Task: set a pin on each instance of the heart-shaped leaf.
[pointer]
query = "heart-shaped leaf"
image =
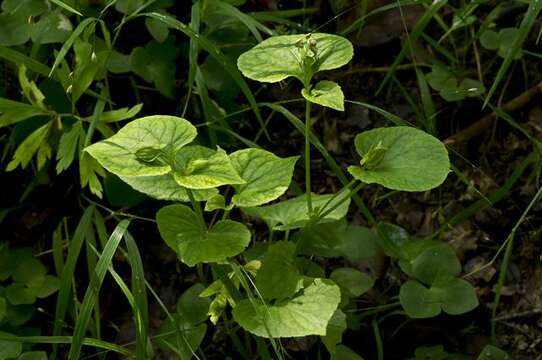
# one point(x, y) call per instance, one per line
point(164, 187)
point(136, 149)
point(454, 296)
point(401, 158)
point(315, 305)
point(193, 307)
point(267, 176)
point(279, 57)
point(203, 168)
point(326, 93)
point(352, 281)
point(278, 276)
point(181, 229)
point(293, 213)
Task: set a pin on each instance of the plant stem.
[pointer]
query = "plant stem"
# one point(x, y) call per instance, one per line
point(308, 156)
point(378, 340)
point(197, 209)
point(354, 191)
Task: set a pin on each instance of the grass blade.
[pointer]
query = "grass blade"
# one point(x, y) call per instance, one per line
point(412, 37)
point(66, 7)
point(93, 289)
point(63, 299)
point(219, 56)
point(97, 343)
point(527, 23)
point(18, 58)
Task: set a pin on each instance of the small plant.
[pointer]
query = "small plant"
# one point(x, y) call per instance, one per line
point(270, 285)
point(451, 87)
point(501, 41)
point(438, 353)
point(26, 280)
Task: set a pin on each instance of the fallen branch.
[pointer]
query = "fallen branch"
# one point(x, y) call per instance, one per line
point(484, 123)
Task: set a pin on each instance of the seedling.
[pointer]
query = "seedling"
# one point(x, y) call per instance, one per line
point(451, 87)
point(501, 41)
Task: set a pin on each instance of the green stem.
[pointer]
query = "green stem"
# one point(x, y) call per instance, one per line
point(197, 208)
point(308, 156)
point(378, 340)
point(347, 186)
point(354, 191)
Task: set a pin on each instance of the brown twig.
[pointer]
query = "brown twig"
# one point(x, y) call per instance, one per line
point(479, 126)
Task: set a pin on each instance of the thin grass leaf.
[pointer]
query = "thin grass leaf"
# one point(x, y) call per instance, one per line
point(93, 289)
point(18, 58)
point(74, 249)
point(69, 42)
point(92, 260)
point(66, 7)
point(300, 126)
point(429, 110)
point(140, 296)
point(97, 343)
point(215, 52)
point(57, 248)
point(527, 23)
point(412, 37)
point(193, 52)
point(391, 117)
point(252, 24)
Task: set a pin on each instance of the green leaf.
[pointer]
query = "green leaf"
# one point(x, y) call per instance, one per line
point(408, 159)
point(280, 57)
point(391, 239)
point(353, 281)
point(454, 296)
point(203, 168)
point(191, 306)
point(9, 349)
point(3, 308)
point(28, 271)
point(267, 176)
point(10, 258)
point(430, 353)
point(53, 27)
point(335, 329)
point(44, 286)
point(415, 300)
point(89, 170)
point(217, 202)
point(184, 338)
point(491, 352)
point(118, 63)
point(14, 29)
point(183, 232)
point(315, 305)
point(278, 276)
point(28, 148)
point(12, 112)
point(67, 147)
point(18, 294)
point(118, 153)
point(429, 263)
point(164, 187)
point(157, 29)
point(490, 40)
point(33, 355)
point(326, 93)
point(336, 239)
point(345, 353)
point(292, 213)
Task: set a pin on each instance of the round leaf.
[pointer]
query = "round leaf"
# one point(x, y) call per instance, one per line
point(415, 300)
point(29, 271)
point(9, 349)
point(293, 213)
point(278, 275)
point(184, 336)
point(457, 296)
point(267, 176)
point(307, 314)
point(164, 187)
point(181, 229)
point(279, 57)
point(18, 294)
point(191, 306)
point(326, 93)
point(165, 133)
point(203, 168)
point(44, 286)
point(353, 281)
point(401, 158)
